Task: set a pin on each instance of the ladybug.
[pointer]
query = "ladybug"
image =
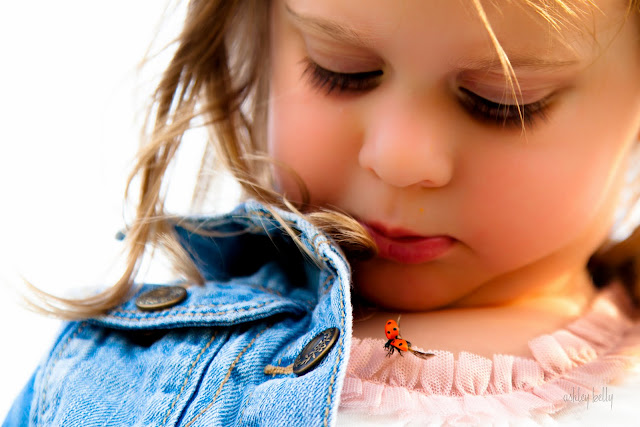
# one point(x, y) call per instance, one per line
point(395, 342)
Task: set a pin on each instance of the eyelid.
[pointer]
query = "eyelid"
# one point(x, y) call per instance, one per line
point(332, 56)
point(501, 93)
point(310, 63)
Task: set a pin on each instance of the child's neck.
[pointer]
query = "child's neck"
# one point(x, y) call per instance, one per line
point(487, 330)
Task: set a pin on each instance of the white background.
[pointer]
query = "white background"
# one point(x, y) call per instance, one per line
point(71, 106)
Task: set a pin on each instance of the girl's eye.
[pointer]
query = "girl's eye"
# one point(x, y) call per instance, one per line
point(505, 115)
point(342, 83)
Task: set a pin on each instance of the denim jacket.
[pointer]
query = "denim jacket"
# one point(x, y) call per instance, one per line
point(223, 355)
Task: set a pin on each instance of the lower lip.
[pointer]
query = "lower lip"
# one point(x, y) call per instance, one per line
point(410, 249)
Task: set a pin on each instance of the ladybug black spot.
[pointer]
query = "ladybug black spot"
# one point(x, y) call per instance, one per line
point(389, 322)
point(395, 329)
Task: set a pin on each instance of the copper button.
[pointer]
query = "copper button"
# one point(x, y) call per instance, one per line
point(161, 298)
point(315, 351)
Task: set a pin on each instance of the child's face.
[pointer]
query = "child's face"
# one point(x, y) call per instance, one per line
point(408, 138)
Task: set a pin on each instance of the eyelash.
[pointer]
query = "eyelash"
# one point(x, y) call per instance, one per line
point(505, 115)
point(342, 83)
point(481, 109)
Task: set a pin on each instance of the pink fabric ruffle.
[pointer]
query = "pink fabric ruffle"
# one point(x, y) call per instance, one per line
point(581, 358)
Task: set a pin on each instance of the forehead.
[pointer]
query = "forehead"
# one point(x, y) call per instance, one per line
point(522, 27)
point(571, 22)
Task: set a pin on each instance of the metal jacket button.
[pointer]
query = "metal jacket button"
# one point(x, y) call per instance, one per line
point(315, 351)
point(161, 297)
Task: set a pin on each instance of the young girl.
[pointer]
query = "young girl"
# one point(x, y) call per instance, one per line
point(457, 163)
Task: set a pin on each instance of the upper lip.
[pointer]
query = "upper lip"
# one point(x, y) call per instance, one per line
point(395, 232)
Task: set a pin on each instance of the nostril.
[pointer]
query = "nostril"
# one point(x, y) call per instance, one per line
point(427, 184)
point(372, 171)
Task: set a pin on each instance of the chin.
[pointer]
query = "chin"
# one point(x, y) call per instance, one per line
point(400, 287)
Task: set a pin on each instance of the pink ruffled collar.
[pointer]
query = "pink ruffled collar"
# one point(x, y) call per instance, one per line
point(586, 355)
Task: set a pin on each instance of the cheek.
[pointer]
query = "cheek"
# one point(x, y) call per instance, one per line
point(311, 138)
point(531, 205)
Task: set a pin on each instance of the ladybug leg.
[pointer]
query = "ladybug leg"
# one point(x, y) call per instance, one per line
point(390, 350)
point(388, 347)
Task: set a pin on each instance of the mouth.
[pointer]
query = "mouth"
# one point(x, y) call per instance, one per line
point(406, 247)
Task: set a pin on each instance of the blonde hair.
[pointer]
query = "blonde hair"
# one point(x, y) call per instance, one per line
point(216, 76)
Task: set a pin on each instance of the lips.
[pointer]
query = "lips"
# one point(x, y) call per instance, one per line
point(405, 247)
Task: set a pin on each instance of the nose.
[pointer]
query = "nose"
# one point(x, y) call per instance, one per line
point(406, 143)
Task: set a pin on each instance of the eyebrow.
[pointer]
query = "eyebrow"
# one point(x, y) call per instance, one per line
point(325, 27)
point(526, 62)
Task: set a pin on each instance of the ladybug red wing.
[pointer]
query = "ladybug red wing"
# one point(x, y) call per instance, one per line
point(391, 330)
point(401, 345)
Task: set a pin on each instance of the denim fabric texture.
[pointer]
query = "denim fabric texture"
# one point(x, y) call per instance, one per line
point(202, 362)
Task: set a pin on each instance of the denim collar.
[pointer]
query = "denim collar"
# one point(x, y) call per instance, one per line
point(252, 270)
